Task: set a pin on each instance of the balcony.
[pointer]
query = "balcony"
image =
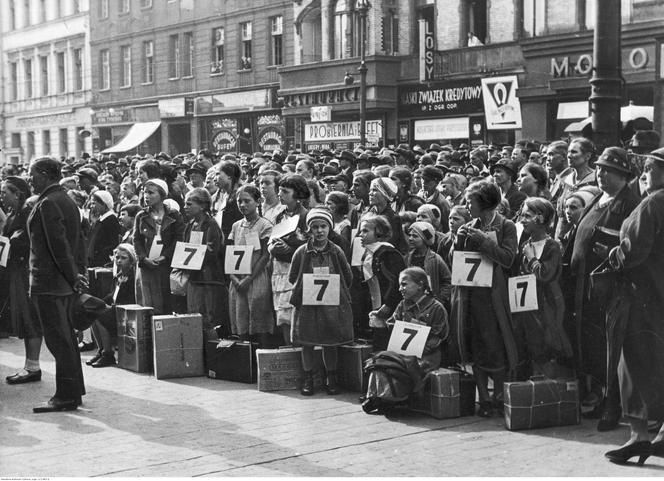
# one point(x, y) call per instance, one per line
point(469, 60)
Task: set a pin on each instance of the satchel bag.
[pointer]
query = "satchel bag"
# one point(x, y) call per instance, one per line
point(179, 281)
point(603, 281)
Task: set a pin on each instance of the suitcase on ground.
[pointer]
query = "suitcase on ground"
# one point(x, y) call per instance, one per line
point(231, 360)
point(101, 281)
point(541, 402)
point(134, 326)
point(447, 393)
point(281, 369)
point(177, 342)
point(350, 366)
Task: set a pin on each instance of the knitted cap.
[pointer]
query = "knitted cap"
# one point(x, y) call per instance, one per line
point(320, 214)
point(385, 186)
point(425, 231)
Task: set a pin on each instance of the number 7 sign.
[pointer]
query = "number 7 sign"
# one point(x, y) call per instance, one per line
point(408, 338)
point(522, 292)
point(188, 256)
point(471, 269)
point(4, 250)
point(238, 259)
point(320, 289)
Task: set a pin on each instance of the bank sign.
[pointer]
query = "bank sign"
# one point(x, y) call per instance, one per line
point(441, 100)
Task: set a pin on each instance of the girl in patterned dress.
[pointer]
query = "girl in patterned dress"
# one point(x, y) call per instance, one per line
point(250, 295)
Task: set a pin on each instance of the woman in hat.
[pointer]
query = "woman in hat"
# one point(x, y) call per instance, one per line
point(382, 192)
point(320, 325)
point(640, 258)
point(14, 192)
point(122, 292)
point(156, 231)
point(505, 177)
point(596, 234)
point(105, 232)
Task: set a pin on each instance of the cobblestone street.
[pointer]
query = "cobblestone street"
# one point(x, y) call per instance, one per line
point(133, 425)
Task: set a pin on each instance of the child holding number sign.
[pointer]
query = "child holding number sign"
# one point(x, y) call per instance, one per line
point(205, 287)
point(321, 296)
point(540, 332)
point(419, 306)
point(250, 295)
point(481, 317)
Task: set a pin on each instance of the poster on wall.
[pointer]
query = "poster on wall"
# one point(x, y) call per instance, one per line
point(502, 108)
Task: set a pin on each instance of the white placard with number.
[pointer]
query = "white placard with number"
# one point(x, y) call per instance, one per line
point(320, 289)
point(156, 247)
point(522, 291)
point(238, 259)
point(188, 256)
point(471, 269)
point(4, 250)
point(408, 338)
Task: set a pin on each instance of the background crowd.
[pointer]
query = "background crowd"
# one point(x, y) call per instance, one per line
point(387, 223)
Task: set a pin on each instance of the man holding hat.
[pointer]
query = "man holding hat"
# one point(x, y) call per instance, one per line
point(57, 266)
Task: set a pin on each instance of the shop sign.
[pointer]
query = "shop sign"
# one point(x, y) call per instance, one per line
point(439, 129)
point(321, 114)
point(224, 140)
point(337, 96)
point(502, 109)
point(110, 116)
point(445, 99)
point(271, 138)
point(330, 131)
point(178, 107)
point(50, 119)
point(635, 59)
point(234, 101)
point(427, 44)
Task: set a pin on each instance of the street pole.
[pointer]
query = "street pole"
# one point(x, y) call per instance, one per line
point(362, 7)
point(606, 82)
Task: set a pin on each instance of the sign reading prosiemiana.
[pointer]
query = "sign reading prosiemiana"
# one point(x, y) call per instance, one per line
point(326, 131)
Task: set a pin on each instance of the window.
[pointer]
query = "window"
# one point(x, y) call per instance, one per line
point(43, 74)
point(534, 17)
point(42, 11)
point(245, 46)
point(105, 61)
point(391, 32)
point(146, 3)
point(26, 12)
point(217, 64)
point(187, 54)
point(12, 15)
point(124, 6)
point(27, 64)
point(173, 57)
point(78, 69)
point(64, 134)
point(125, 66)
point(30, 151)
point(148, 62)
point(13, 81)
point(276, 40)
point(16, 141)
point(103, 8)
point(46, 142)
point(346, 30)
point(62, 78)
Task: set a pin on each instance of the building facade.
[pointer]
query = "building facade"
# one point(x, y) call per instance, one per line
point(176, 75)
point(46, 79)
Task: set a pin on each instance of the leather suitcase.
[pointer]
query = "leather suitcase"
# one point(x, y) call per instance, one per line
point(231, 360)
point(134, 326)
point(177, 343)
point(350, 366)
point(540, 403)
point(448, 393)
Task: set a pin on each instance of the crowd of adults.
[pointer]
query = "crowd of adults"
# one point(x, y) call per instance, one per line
point(388, 223)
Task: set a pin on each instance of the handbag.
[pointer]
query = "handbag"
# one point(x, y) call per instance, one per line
point(603, 281)
point(179, 281)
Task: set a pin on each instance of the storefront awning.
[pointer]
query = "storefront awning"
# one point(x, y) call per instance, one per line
point(137, 134)
point(627, 113)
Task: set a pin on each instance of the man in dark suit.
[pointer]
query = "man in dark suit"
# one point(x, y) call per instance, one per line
point(57, 263)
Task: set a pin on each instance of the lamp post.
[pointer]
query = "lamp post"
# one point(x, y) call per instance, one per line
point(362, 6)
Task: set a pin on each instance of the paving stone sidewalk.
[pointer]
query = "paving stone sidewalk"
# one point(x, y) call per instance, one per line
point(133, 425)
